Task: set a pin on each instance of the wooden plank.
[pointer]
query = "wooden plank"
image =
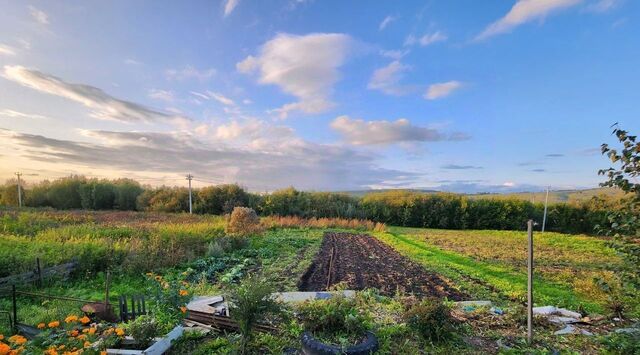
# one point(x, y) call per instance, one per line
point(63, 270)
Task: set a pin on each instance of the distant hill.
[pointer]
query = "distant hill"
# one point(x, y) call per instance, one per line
point(554, 196)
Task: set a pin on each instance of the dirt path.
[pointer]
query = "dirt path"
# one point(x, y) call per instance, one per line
point(363, 262)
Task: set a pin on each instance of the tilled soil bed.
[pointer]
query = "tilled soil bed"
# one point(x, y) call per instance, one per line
point(362, 261)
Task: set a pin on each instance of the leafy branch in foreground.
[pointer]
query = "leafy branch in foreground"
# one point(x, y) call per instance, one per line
point(624, 224)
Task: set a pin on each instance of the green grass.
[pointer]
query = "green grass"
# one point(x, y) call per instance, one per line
point(483, 278)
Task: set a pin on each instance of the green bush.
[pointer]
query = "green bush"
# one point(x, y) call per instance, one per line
point(621, 343)
point(337, 315)
point(432, 320)
point(250, 303)
point(143, 329)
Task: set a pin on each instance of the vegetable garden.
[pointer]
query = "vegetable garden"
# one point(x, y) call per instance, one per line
point(407, 281)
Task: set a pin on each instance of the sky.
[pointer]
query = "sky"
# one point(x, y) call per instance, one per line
point(460, 95)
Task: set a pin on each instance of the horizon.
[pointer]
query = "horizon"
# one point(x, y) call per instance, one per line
point(506, 97)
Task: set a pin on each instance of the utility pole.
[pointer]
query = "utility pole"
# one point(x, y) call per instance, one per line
point(544, 217)
point(530, 281)
point(19, 190)
point(190, 177)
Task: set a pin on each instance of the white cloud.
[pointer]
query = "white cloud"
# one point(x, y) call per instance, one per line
point(255, 133)
point(303, 66)
point(221, 98)
point(131, 61)
point(162, 95)
point(425, 40)
point(229, 6)
point(7, 50)
point(361, 132)
point(522, 12)
point(603, 5)
point(394, 54)
point(39, 15)
point(387, 20)
point(190, 72)
point(440, 90)
point(17, 114)
point(387, 79)
point(103, 105)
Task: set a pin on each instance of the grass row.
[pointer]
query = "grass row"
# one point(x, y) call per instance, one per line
point(484, 279)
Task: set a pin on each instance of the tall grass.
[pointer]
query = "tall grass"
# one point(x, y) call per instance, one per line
point(299, 222)
point(128, 248)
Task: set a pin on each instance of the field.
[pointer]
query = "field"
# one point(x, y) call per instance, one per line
point(361, 262)
point(295, 254)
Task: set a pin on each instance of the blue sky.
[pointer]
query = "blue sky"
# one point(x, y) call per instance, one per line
point(461, 96)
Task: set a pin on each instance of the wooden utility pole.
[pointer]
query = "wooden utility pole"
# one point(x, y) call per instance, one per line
point(19, 190)
point(530, 282)
point(544, 217)
point(190, 177)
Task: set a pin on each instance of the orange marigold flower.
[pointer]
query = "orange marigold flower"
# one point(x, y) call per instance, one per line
point(183, 309)
point(41, 325)
point(73, 333)
point(51, 351)
point(119, 332)
point(103, 352)
point(71, 319)
point(4, 348)
point(84, 320)
point(82, 337)
point(183, 292)
point(53, 324)
point(17, 339)
point(87, 344)
point(1, 337)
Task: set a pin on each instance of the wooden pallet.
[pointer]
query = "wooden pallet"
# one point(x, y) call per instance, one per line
point(223, 323)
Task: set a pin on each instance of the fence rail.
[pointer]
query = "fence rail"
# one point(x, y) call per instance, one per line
point(39, 274)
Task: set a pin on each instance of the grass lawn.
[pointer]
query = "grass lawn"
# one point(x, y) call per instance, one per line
point(492, 264)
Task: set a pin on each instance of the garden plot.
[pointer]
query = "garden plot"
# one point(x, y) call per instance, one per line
point(361, 261)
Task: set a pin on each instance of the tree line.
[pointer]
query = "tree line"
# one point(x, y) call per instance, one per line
point(397, 207)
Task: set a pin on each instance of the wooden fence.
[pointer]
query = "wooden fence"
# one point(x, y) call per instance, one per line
point(38, 275)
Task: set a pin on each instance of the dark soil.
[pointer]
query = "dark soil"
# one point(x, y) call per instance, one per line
point(362, 261)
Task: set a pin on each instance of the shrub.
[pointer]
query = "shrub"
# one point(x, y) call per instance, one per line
point(622, 343)
point(250, 303)
point(243, 221)
point(144, 329)
point(432, 320)
point(337, 315)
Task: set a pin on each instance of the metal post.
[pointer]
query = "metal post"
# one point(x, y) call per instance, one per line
point(15, 308)
point(544, 217)
point(530, 282)
point(107, 306)
point(39, 271)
